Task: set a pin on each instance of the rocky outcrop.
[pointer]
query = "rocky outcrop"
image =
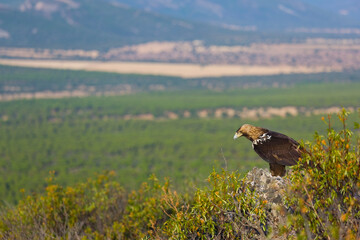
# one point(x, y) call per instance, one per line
point(273, 191)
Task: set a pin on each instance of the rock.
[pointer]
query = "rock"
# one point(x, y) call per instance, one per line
point(273, 190)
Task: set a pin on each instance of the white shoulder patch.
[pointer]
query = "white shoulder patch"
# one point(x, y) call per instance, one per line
point(262, 139)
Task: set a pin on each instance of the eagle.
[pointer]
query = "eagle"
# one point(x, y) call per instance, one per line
point(275, 148)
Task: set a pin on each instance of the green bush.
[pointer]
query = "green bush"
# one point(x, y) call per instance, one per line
point(144, 213)
point(100, 209)
point(88, 209)
point(326, 195)
point(228, 209)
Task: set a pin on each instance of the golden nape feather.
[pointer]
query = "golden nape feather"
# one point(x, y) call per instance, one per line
point(275, 148)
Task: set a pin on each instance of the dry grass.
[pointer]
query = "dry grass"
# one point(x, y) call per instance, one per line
point(167, 69)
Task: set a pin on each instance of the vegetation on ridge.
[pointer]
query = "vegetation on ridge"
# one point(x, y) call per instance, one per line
point(323, 198)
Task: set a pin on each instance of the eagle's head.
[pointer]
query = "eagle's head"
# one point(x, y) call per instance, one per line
point(250, 132)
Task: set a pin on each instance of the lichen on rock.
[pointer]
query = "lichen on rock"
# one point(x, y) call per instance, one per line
point(271, 189)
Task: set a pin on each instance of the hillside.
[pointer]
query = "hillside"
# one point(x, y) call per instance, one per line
point(263, 15)
point(102, 24)
point(94, 24)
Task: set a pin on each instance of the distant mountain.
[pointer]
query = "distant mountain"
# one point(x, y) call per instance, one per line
point(349, 8)
point(93, 24)
point(260, 14)
point(104, 24)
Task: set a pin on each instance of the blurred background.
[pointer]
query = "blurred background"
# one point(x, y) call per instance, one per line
point(160, 86)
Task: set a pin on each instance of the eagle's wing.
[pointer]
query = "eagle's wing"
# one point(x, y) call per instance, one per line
point(279, 149)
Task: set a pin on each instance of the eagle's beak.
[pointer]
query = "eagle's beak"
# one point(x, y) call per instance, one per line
point(237, 135)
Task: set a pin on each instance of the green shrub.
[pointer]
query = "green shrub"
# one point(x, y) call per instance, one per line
point(100, 209)
point(228, 209)
point(144, 213)
point(88, 209)
point(326, 195)
point(97, 209)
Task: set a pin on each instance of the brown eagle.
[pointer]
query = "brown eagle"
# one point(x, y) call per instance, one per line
point(275, 148)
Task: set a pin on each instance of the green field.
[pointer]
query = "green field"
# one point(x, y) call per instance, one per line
point(78, 137)
point(31, 80)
